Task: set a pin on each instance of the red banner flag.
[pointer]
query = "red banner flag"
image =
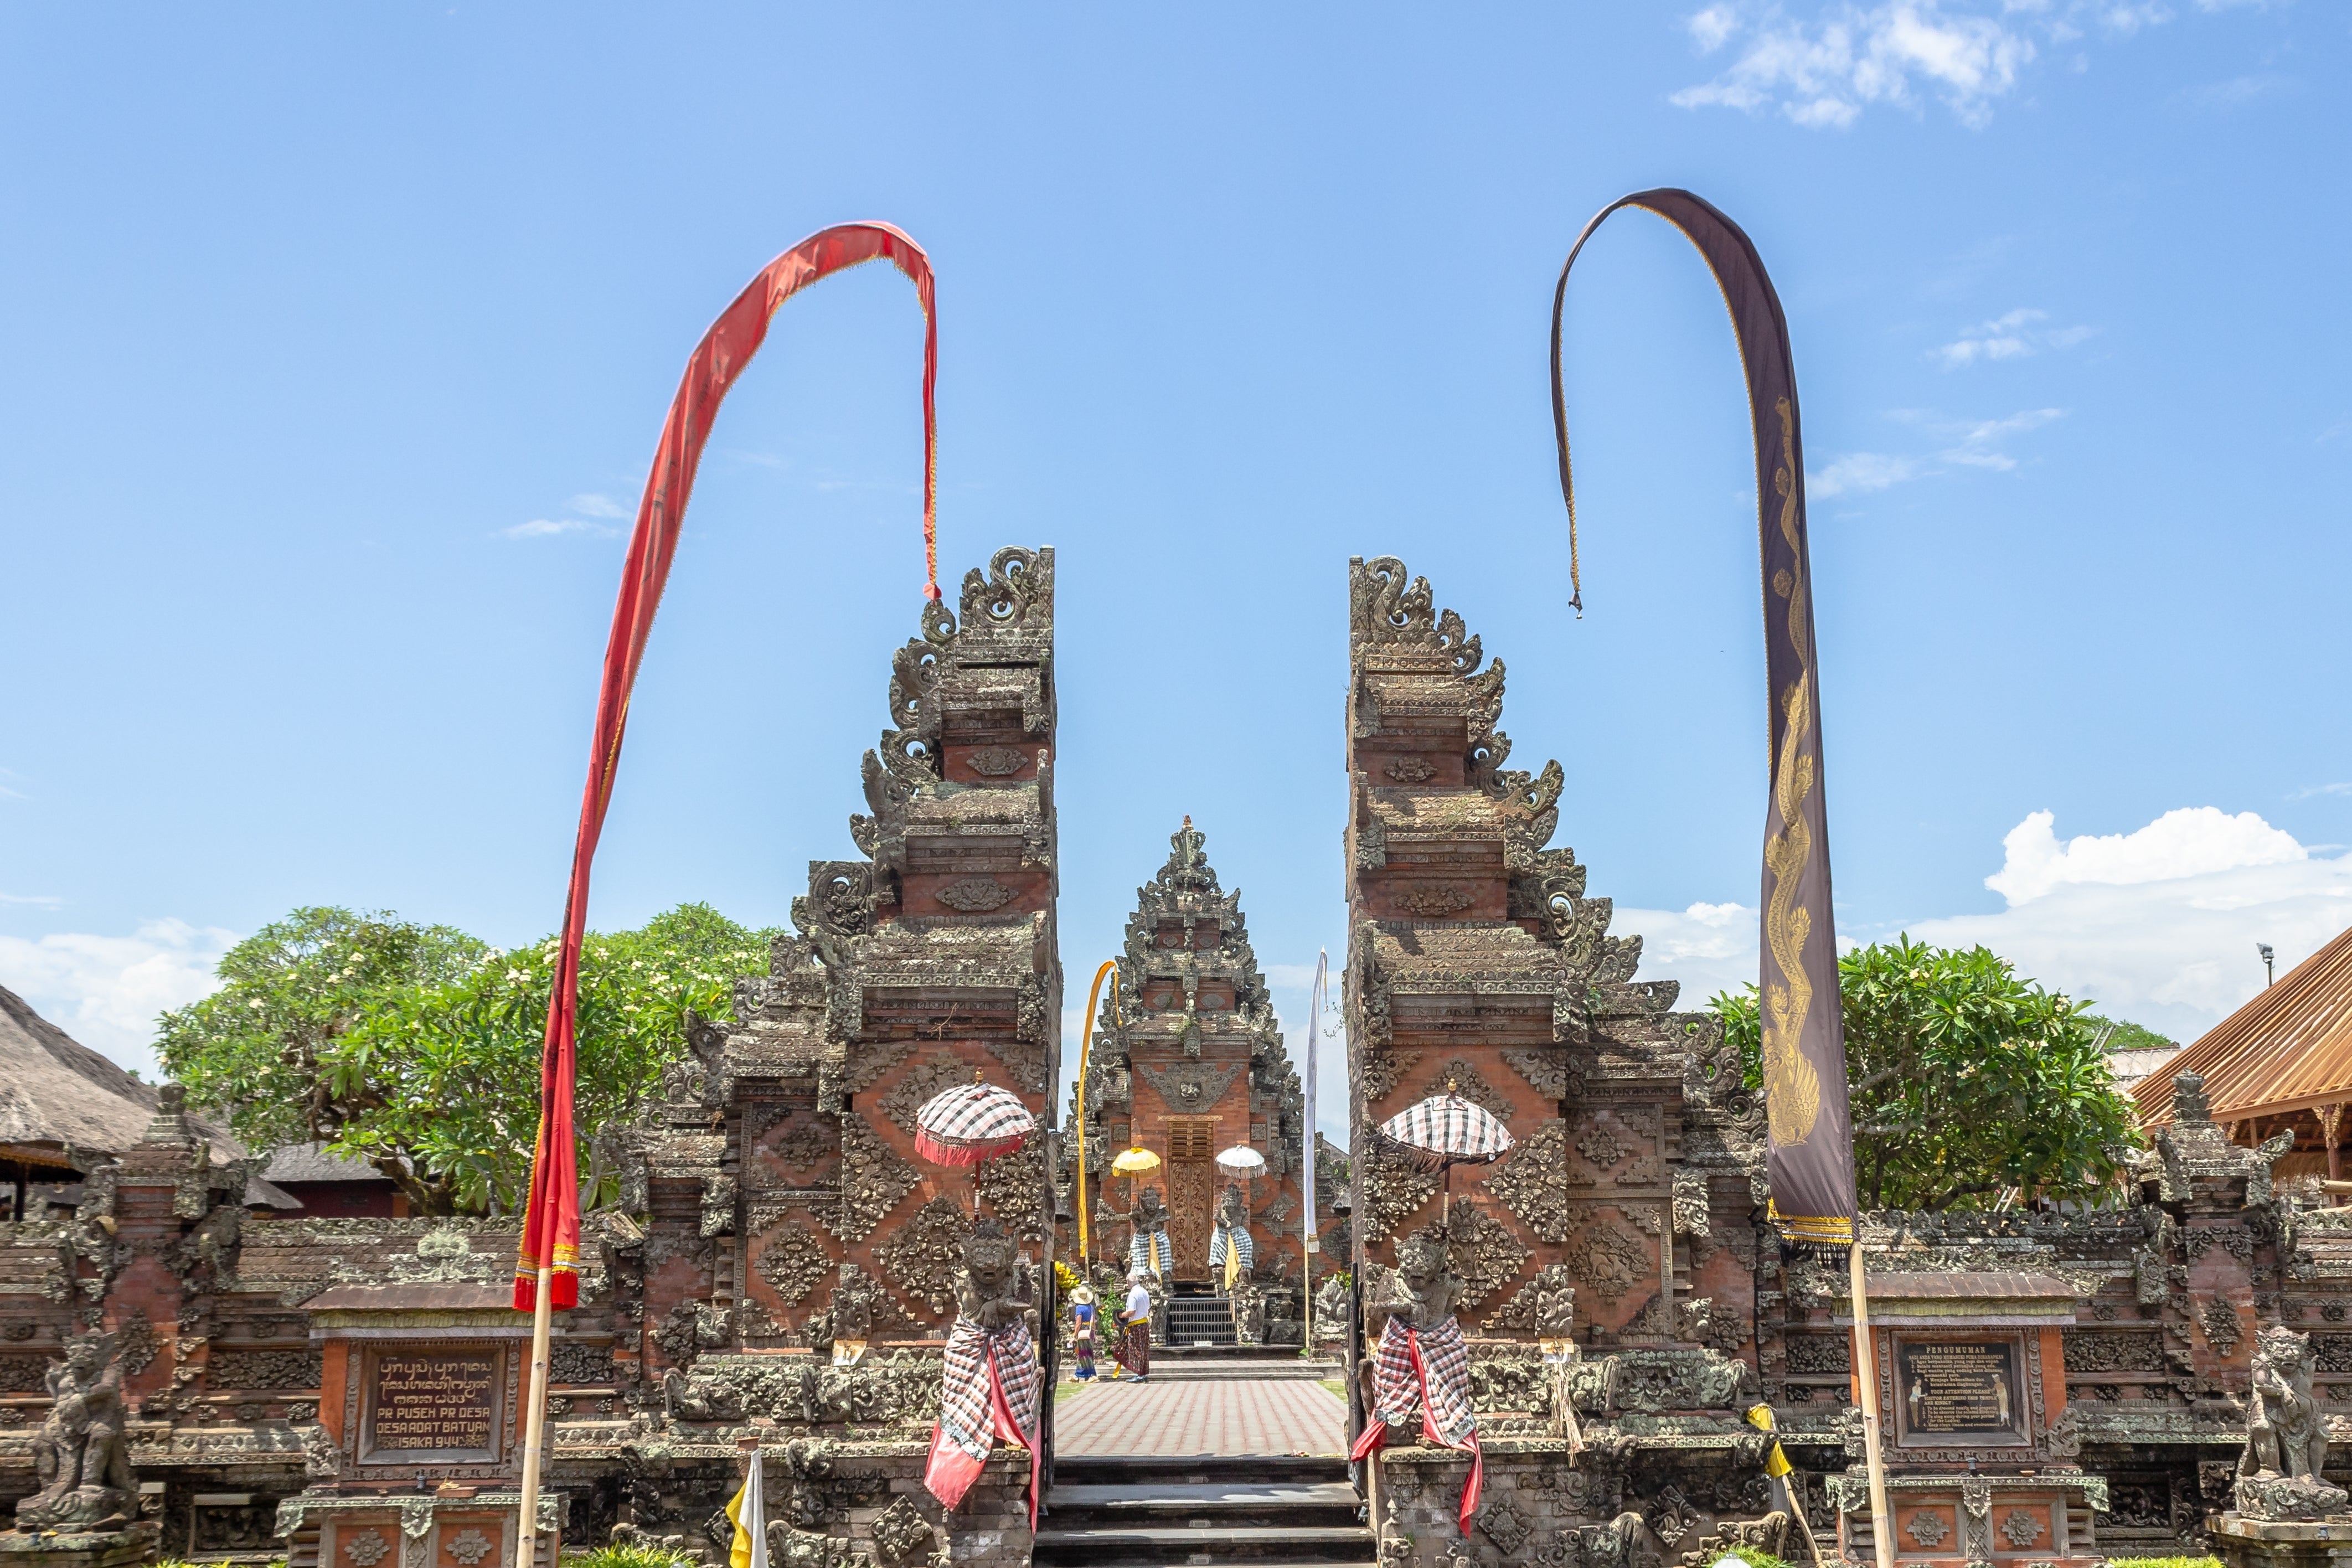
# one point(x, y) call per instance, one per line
point(550, 1232)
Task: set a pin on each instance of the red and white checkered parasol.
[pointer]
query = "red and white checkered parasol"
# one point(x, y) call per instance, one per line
point(972, 1122)
point(1446, 1130)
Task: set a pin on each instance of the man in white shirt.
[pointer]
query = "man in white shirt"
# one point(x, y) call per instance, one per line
point(1135, 1344)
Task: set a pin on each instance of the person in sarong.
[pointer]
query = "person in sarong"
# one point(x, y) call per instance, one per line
point(1135, 1343)
point(1082, 1333)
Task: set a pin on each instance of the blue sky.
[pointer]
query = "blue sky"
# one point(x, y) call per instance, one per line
point(334, 342)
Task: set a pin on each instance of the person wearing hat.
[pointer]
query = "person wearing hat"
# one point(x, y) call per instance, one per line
point(1082, 1335)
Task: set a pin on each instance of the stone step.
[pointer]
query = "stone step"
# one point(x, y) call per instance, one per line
point(1133, 1547)
point(1197, 1505)
point(1199, 1470)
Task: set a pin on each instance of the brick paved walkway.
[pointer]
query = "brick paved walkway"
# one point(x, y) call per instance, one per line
point(1235, 1416)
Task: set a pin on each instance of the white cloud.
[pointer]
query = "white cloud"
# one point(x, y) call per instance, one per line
point(2190, 842)
point(1859, 473)
point(1708, 947)
point(546, 527)
point(1825, 72)
point(105, 990)
point(43, 900)
point(596, 505)
point(1967, 443)
point(2321, 789)
point(2017, 335)
point(1712, 28)
point(2157, 925)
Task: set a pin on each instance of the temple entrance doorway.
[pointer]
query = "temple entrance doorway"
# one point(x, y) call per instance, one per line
point(1191, 1195)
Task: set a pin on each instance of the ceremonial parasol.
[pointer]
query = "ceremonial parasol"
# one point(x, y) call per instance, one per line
point(1242, 1160)
point(1137, 1161)
point(1443, 1131)
point(972, 1122)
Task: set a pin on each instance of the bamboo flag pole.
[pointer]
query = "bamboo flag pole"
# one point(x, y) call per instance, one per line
point(1085, 1047)
point(534, 1425)
point(1882, 1532)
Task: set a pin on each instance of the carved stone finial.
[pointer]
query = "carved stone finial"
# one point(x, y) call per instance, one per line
point(2189, 1101)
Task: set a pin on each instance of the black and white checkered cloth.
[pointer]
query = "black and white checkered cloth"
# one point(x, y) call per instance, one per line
point(990, 1392)
point(1430, 1372)
point(1238, 1240)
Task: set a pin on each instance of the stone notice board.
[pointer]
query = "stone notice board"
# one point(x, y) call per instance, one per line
point(1951, 1391)
point(425, 1405)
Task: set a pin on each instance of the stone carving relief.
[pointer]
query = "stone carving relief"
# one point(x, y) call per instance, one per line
point(1435, 900)
point(82, 1453)
point(1482, 1251)
point(1609, 1260)
point(2089, 1350)
point(976, 895)
point(1532, 1181)
point(2286, 1437)
point(1546, 1071)
point(794, 1261)
point(998, 762)
point(921, 1255)
point(1544, 1306)
point(1471, 1084)
point(1388, 1190)
point(806, 1144)
point(1193, 1086)
point(2224, 1328)
point(872, 1179)
point(1927, 1528)
point(1380, 1071)
point(1013, 1187)
point(237, 1369)
point(933, 1075)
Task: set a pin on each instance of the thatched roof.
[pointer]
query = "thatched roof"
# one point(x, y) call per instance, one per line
point(312, 1163)
point(54, 1091)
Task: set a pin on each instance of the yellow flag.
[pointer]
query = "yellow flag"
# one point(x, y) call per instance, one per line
point(745, 1513)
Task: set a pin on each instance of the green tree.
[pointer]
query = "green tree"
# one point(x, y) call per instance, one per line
point(1968, 1081)
point(448, 1076)
point(418, 1047)
point(253, 1049)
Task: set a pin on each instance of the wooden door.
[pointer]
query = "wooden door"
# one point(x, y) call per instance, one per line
point(1191, 1193)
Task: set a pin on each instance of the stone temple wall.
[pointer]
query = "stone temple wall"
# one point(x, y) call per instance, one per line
point(773, 1218)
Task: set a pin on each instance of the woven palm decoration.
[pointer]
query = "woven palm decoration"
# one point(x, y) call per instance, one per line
point(972, 1122)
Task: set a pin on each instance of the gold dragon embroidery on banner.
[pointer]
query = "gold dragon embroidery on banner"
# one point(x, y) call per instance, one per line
point(1792, 1088)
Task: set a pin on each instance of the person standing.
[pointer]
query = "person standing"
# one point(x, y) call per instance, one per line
point(1135, 1344)
point(1082, 1333)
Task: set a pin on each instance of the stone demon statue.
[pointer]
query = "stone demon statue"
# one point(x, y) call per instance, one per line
point(1423, 1288)
point(995, 1284)
point(2286, 1437)
point(80, 1453)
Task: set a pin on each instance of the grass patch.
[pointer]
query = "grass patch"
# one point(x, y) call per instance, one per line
point(2164, 1563)
point(1338, 1389)
point(1062, 1391)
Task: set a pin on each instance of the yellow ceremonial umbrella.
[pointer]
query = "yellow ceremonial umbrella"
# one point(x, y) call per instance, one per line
point(1137, 1161)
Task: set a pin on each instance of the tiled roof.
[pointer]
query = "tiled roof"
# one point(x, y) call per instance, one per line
point(2290, 1048)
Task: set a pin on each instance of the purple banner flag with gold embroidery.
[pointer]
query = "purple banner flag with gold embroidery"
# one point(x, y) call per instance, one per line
point(1803, 1034)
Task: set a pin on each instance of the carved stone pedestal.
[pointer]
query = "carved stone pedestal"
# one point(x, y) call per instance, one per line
point(422, 1531)
point(71, 1548)
point(2243, 1542)
point(1947, 1522)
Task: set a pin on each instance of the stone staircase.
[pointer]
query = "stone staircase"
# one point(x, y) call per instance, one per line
point(1263, 1511)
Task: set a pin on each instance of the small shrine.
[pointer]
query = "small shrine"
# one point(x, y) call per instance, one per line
point(1982, 1456)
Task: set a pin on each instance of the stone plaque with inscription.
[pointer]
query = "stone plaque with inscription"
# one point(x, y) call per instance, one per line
point(426, 1405)
point(1959, 1392)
